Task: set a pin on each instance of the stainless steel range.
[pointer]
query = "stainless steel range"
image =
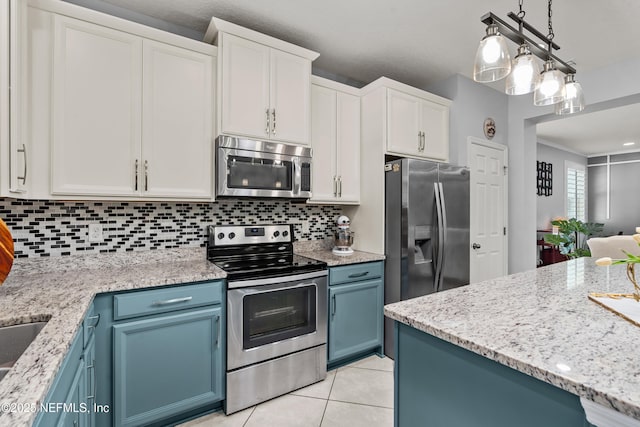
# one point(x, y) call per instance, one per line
point(276, 313)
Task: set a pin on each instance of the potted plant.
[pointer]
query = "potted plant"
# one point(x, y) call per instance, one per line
point(572, 236)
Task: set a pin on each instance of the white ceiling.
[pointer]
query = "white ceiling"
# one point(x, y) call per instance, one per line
point(596, 133)
point(418, 42)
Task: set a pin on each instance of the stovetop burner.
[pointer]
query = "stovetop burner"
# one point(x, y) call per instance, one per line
point(252, 252)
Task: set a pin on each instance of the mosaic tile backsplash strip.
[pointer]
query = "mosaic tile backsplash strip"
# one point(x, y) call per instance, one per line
point(54, 228)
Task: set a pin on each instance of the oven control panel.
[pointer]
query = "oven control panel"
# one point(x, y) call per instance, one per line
point(225, 235)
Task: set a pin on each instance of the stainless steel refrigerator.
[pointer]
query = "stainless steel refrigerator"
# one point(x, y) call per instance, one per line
point(426, 232)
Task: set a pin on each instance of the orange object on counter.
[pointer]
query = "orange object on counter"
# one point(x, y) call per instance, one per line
point(6, 251)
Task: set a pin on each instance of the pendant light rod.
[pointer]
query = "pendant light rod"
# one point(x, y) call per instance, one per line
point(516, 36)
point(533, 30)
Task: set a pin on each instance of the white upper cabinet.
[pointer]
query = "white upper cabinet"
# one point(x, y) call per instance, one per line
point(177, 112)
point(4, 97)
point(132, 117)
point(264, 85)
point(348, 151)
point(335, 139)
point(403, 123)
point(323, 141)
point(417, 125)
point(96, 109)
point(245, 108)
point(290, 97)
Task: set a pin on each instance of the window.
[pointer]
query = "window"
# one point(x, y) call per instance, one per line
point(576, 199)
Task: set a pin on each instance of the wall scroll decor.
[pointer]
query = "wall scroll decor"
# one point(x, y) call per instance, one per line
point(545, 178)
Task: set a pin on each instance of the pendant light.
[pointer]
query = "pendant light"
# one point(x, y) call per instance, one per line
point(492, 57)
point(573, 101)
point(550, 88)
point(554, 85)
point(524, 73)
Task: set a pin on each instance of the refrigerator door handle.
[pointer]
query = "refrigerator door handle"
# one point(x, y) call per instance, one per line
point(443, 241)
point(438, 255)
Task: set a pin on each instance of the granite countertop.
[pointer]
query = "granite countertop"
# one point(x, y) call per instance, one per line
point(320, 250)
point(60, 290)
point(541, 323)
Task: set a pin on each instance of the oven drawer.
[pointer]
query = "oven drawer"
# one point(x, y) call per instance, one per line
point(163, 300)
point(355, 272)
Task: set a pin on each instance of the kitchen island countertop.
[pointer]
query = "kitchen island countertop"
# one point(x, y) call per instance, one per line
point(542, 324)
point(60, 290)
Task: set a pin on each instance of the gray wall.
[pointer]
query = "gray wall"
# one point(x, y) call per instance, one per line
point(624, 212)
point(552, 206)
point(472, 104)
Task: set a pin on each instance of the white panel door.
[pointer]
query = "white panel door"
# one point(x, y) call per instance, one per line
point(403, 123)
point(177, 122)
point(245, 87)
point(488, 222)
point(323, 142)
point(96, 109)
point(290, 97)
point(435, 125)
point(348, 154)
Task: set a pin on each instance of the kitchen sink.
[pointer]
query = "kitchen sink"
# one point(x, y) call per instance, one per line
point(14, 340)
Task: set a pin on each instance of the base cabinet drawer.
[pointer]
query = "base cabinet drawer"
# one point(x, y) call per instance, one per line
point(355, 319)
point(167, 365)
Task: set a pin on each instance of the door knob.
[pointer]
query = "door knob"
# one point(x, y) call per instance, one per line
point(475, 246)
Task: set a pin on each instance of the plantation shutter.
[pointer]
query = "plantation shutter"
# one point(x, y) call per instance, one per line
point(576, 203)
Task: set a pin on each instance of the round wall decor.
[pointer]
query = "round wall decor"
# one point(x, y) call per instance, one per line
point(489, 127)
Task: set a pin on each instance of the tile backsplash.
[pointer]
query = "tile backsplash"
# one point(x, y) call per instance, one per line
point(56, 228)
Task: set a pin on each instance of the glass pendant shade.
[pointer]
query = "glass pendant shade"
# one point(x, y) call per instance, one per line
point(492, 57)
point(573, 101)
point(524, 73)
point(550, 88)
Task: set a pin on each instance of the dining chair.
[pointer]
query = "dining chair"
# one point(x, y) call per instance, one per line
point(613, 246)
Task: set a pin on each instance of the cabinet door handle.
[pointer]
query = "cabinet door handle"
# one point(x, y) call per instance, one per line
point(146, 175)
point(135, 179)
point(335, 186)
point(424, 136)
point(419, 140)
point(93, 379)
point(23, 150)
point(268, 128)
point(273, 124)
point(218, 332)
point(97, 318)
point(339, 186)
point(333, 305)
point(172, 301)
point(356, 275)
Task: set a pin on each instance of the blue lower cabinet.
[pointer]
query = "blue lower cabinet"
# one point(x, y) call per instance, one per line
point(355, 318)
point(72, 416)
point(68, 402)
point(166, 365)
point(440, 384)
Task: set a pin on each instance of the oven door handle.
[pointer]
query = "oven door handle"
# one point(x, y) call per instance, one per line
point(298, 278)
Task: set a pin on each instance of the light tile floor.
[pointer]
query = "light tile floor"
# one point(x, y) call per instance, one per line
point(359, 394)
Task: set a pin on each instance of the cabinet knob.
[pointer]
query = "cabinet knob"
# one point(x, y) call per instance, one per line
point(476, 246)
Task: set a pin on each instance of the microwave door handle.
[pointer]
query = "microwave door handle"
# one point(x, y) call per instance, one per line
point(297, 176)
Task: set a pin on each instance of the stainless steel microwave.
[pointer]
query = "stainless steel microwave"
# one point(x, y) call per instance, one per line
point(249, 168)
